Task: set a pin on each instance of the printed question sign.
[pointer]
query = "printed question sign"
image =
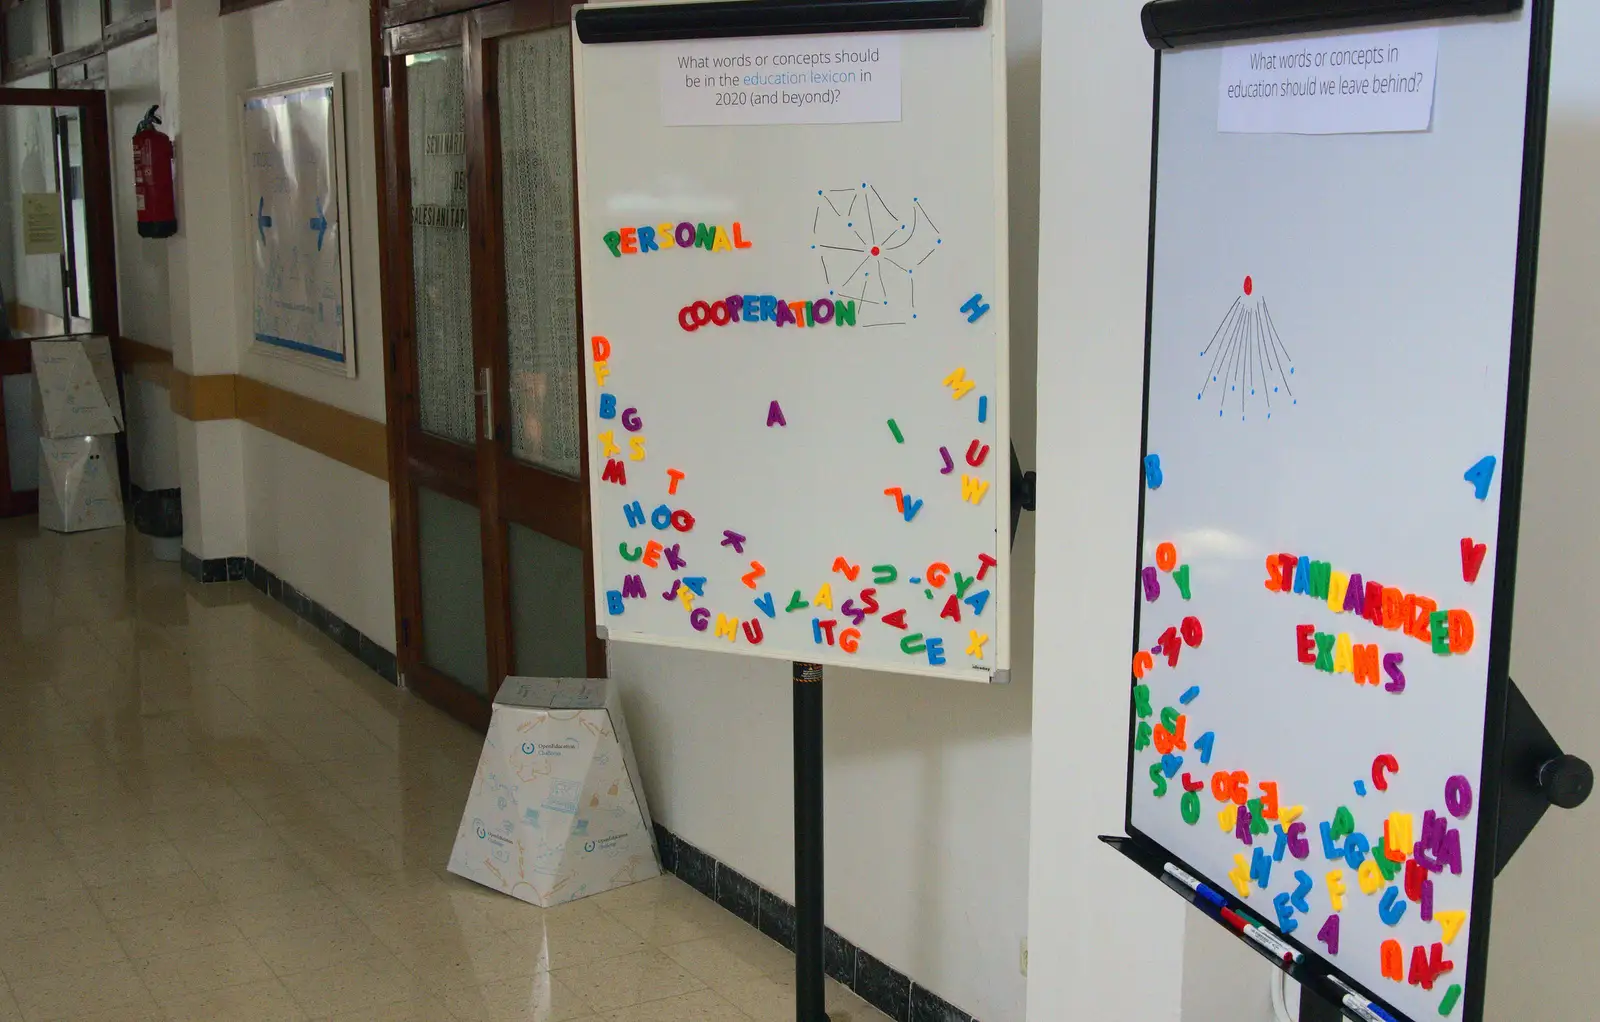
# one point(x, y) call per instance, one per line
point(822, 79)
point(1331, 85)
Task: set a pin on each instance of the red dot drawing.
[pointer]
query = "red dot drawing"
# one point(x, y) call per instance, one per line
point(876, 250)
point(1249, 285)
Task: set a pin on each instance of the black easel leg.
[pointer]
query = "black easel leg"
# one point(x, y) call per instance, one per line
point(809, 1002)
point(1315, 1008)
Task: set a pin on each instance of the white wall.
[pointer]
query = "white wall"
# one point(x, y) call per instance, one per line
point(312, 522)
point(927, 782)
point(1096, 104)
point(152, 435)
point(315, 522)
point(1106, 941)
point(133, 80)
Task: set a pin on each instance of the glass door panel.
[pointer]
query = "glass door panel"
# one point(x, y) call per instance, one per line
point(549, 609)
point(450, 559)
point(34, 292)
point(536, 168)
point(440, 255)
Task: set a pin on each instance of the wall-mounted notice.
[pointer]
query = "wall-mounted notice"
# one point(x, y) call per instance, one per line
point(1330, 85)
point(819, 79)
point(294, 195)
point(41, 223)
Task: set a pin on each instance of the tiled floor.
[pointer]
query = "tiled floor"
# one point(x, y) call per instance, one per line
point(210, 812)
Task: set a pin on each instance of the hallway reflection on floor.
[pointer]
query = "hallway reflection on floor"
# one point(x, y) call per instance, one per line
point(209, 811)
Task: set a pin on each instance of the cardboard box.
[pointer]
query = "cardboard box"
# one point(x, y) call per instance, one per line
point(75, 388)
point(556, 812)
point(79, 488)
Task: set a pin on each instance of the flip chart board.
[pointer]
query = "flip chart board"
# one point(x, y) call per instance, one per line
point(793, 251)
point(1341, 261)
point(295, 194)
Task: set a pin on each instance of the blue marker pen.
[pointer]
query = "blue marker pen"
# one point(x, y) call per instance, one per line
point(1194, 885)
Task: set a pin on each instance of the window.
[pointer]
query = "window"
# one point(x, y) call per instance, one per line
point(27, 31)
point(83, 34)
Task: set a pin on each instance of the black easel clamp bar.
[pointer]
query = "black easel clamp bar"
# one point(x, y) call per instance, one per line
point(721, 19)
point(1170, 23)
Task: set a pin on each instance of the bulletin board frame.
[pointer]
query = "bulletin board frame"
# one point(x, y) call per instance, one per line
point(1173, 23)
point(331, 164)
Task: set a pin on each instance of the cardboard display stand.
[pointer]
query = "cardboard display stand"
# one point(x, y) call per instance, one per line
point(555, 812)
point(75, 388)
point(79, 488)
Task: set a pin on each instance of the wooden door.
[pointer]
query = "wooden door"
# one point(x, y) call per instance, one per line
point(70, 292)
point(489, 481)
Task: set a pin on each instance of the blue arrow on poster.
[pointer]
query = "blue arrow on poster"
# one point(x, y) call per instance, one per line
point(319, 223)
point(262, 220)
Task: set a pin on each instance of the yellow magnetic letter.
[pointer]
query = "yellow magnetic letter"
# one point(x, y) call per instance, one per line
point(958, 383)
point(728, 626)
point(1369, 876)
point(1338, 585)
point(1336, 890)
point(824, 597)
point(975, 645)
point(609, 438)
point(1450, 923)
point(1240, 875)
point(1397, 839)
point(973, 489)
point(637, 443)
point(1343, 661)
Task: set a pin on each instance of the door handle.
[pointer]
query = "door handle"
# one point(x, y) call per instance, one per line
point(486, 378)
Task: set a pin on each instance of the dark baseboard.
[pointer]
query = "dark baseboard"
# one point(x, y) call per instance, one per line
point(882, 986)
point(243, 569)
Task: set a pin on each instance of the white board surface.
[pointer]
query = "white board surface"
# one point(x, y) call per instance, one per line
point(1330, 342)
point(811, 202)
point(299, 249)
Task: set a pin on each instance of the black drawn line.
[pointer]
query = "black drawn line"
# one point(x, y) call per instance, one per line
point(1224, 323)
point(855, 271)
point(1274, 328)
point(886, 208)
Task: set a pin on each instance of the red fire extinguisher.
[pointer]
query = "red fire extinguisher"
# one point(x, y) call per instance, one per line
point(152, 179)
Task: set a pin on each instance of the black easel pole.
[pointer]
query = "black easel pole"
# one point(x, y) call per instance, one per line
point(808, 932)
